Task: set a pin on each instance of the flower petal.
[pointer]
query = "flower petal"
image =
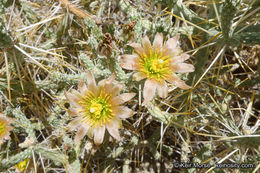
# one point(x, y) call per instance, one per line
point(122, 112)
point(76, 122)
point(6, 136)
point(73, 112)
point(170, 46)
point(183, 68)
point(82, 87)
point(122, 98)
point(149, 90)
point(181, 58)
point(139, 76)
point(158, 41)
point(74, 97)
point(99, 133)
point(129, 62)
point(116, 89)
point(162, 90)
point(107, 83)
point(112, 128)
point(111, 78)
point(184, 57)
point(91, 82)
point(81, 133)
point(138, 48)
point(172, 42)
point(177, 82)
point(90, 132)
point(146, 45)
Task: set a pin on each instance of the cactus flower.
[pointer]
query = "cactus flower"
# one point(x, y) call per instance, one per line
point(5, 128)
point(97, 108)
point(158, 63)
point(21, 166)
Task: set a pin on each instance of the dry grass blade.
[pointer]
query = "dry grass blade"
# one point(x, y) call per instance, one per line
point(212, 63)
point(31, 58)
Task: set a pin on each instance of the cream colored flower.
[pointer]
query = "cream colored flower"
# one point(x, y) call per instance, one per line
point(98, 107)
point(158, 63)
point(5, 128)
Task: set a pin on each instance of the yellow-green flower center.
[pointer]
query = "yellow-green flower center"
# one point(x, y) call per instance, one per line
point(155, 66)
point(2, 128)
point(96, 109)
point(22, 165)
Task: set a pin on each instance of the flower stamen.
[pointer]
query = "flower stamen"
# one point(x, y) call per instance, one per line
point(155, 66)
point(96, 110)
point(2, 126)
